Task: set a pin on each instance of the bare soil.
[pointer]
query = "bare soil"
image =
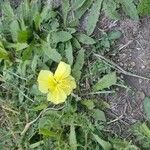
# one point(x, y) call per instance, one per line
point(133, 55)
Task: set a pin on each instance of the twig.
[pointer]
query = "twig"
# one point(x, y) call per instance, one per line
point(127, 44)
point(25, 95)
point(99, 92)
point(21, 92)
point(115, 66)
point(118, 118)
point(17, 75)
point(76, 96)
point(27, 126)
point(9, 109)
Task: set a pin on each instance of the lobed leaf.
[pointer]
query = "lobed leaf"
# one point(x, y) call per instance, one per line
point(130, 9)
point(80, 12)
point(72, 138)
point(110, 9)
point(104, 144)
point(3, 54)
point(7, 10)
point(69, 52)
point(93, 16)
point(76, 4)
point(88, 103)
point(99, 115)
point(65, 10)
point(84, 39)
point(114, 35)
point(107, 81)
point(61, 36)
point(78, 65)
point(18, 46)
point(14, 27)
point(50, 52)
point(34, 63)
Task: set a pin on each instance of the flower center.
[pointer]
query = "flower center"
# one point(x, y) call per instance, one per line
point(57, 82)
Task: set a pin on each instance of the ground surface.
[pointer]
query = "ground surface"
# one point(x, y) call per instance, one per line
point(133, 56)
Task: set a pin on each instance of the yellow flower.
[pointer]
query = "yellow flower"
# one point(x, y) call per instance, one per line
point(58, 85)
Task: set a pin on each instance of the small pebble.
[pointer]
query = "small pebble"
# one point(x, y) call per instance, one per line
point(121, 76)
point(124, 55)
point(143, 67)
point(117, 89)
point(140, 81)
point(140, 95)
point(138, 49)
point(125, 65)
point(133, 64)
point(121, 64)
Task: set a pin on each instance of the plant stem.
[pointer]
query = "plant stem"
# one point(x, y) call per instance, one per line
point(118, 68)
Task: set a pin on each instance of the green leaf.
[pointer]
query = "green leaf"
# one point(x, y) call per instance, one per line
point(50, 52)
point(114, 35)
point(80, 12)
point(144, 7)
point(24, 35)
point(14, 27)
point(61, 36)
point(69, 52)
point(72, 138)
point(18, 46)
point(37, 21)
point(47, 133)
point(45, 13)
point(7, 10)
point(27, 53)
point(84, 39)
point(75, 43)
point(105, 42)
point(99, 115)
point(53, 54)
point(65, 10)
point(145, 129)
point(34, 62)
point(76, 71)
point(24, 10)
point(107, 81)
point(40, 107)
point(147, 107)
point(76, 4)
point(88, 103)
point(119, 144)
point(34, 10)
point(71, 30)
point(130, 9)
point(36, 145)
point(74, 22)
point(110, 9)
point(3, 53)
point(104, 144)
point(93, 16)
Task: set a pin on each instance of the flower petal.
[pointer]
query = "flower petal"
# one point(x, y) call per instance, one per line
point(63, 71)
point(67, 85)
point(46, 81)
point(57, 96)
